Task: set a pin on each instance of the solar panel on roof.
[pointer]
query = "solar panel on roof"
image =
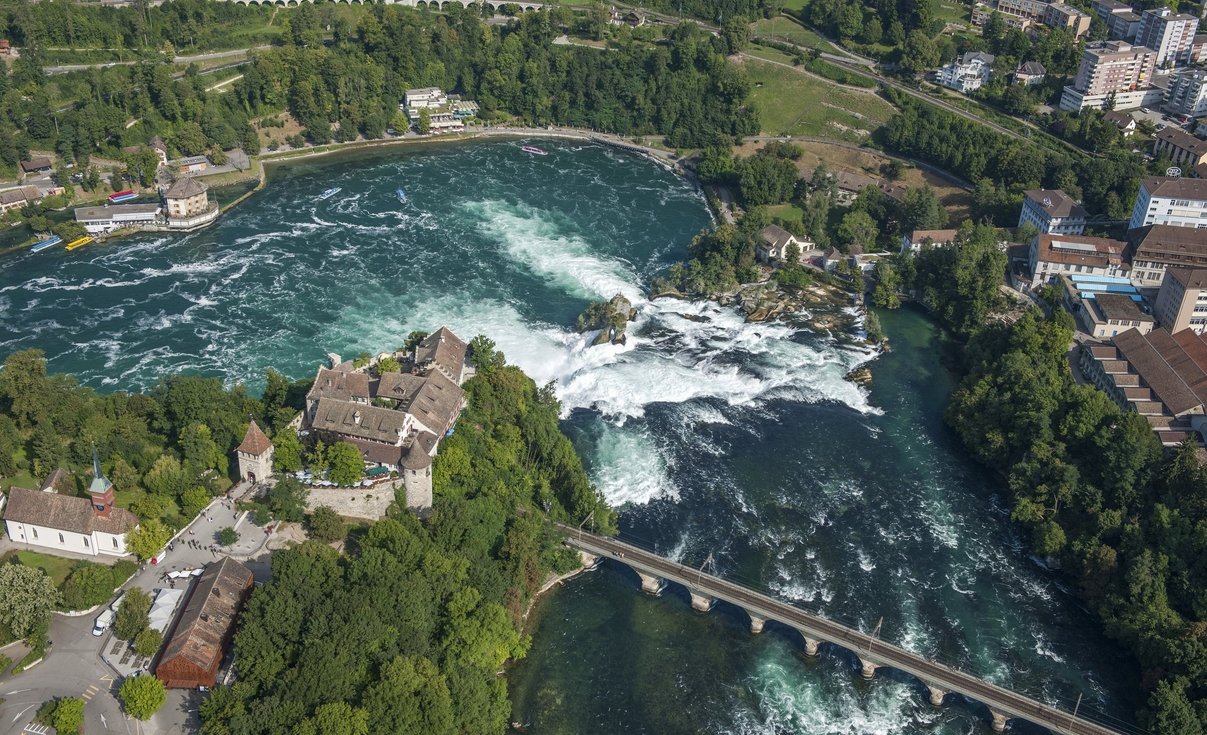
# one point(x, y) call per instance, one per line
point(1080, 247)
point(1080, 278)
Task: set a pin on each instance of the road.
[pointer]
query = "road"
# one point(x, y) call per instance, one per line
point(1002, 702)
point(196, 58)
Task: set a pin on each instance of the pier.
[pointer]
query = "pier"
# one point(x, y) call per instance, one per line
point(872, 653)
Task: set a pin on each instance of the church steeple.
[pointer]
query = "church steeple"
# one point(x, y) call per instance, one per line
point(101, 489)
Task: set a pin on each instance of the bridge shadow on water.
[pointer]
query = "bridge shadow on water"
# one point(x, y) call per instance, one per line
point(832, 660)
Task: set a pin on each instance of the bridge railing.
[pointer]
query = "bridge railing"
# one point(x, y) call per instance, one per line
point(1064, 705)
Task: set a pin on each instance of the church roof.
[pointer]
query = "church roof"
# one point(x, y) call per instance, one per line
point(64, 513)
point(254, 441)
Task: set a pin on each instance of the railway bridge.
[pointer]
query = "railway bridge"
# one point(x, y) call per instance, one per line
point(491, 6)
point(940, 679)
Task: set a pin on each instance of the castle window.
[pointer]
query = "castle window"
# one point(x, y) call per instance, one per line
point(35, 532)
point(85, 543)
point(61, 539)
point(115, 542)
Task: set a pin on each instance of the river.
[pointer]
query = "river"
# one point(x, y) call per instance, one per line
point(718, 438)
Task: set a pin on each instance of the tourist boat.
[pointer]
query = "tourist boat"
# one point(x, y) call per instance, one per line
point(81, 242)
point(328, 193)
point(402, 195)
point(123, 196)
point(47, 243)
point(534, 150)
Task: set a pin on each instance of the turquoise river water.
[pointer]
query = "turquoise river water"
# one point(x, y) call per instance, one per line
point(718, 437)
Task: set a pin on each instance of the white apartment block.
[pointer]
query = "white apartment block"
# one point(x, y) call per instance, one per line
point(1179, 202)
point(1168, 34)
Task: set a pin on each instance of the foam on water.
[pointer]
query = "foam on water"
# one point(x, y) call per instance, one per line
point(529, 237)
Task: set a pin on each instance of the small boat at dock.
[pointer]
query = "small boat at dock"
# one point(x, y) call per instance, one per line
point(79, 243)
point(47, 243)
point(402, 195)
point(534, 150)
point(328, 193)
point(122, 196)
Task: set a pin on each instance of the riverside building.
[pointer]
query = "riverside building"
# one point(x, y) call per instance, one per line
point(396, 420)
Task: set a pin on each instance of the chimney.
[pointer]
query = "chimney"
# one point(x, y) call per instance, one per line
point(356, 417)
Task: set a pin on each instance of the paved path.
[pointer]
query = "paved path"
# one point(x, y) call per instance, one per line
point(232, 53)
point(872, 652)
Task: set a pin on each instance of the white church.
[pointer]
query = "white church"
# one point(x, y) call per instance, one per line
point(60, 522)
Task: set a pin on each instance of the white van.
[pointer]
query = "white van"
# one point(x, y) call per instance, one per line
point(103, 621)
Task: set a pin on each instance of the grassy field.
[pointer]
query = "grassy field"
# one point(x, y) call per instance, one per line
point(788, 31)
point(793, 103)
point(56, 567)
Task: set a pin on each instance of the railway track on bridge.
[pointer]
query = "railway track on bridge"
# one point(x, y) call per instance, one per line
point(872, 653)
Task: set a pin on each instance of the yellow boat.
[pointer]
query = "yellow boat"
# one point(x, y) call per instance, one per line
point(79, 243)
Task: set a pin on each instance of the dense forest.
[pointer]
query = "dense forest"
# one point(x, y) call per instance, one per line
point(1091, 483)
point(406, 633)
point(347, 82)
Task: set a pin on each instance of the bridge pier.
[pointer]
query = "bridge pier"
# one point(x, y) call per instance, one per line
point(936, 695)
point(756, 624)
point(650, 584)
point(811, 645)
point(701, 603)
point(867, 669)
point(999, 721)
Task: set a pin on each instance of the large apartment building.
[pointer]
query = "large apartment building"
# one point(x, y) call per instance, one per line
point(1121, 20)
point(1113, 70)
point(1182, 300)
point(1182, 148)
point(1168, 34)
point(1054, 255)
point(1165, 200)
point(1153, 249)
point(1051, 211)
point(1187, 92)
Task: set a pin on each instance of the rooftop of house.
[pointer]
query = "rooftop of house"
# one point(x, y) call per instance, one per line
point(191, 161)
point(1166, 242)
point(1033, 68)
point(360, 420)
point(1118, 307)
point(444, 350)
point(36, 163)
point(186, 187)
point(64, 513)
point(847, 181)
point(1181, 139)
point(1099, 252)
point(938, 236)
point(977, 57)
point(1056, 203)
point(1173, 366)
point(1122, 119)
point(1188, 277)
point(776, 236)
point(1175, 187)
point(208, 615)
point(109, 212)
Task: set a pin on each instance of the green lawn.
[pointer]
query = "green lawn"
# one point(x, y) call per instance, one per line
point(786, 212)
point(793, 103)
point(57, 568)
point(787, 30)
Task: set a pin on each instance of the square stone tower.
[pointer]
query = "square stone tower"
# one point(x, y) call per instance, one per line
point(255, 455)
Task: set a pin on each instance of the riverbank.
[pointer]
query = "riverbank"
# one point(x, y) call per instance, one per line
point(259, 169)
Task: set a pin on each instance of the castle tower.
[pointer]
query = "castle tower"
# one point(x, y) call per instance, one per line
point(255, 455)
point(101, 490)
